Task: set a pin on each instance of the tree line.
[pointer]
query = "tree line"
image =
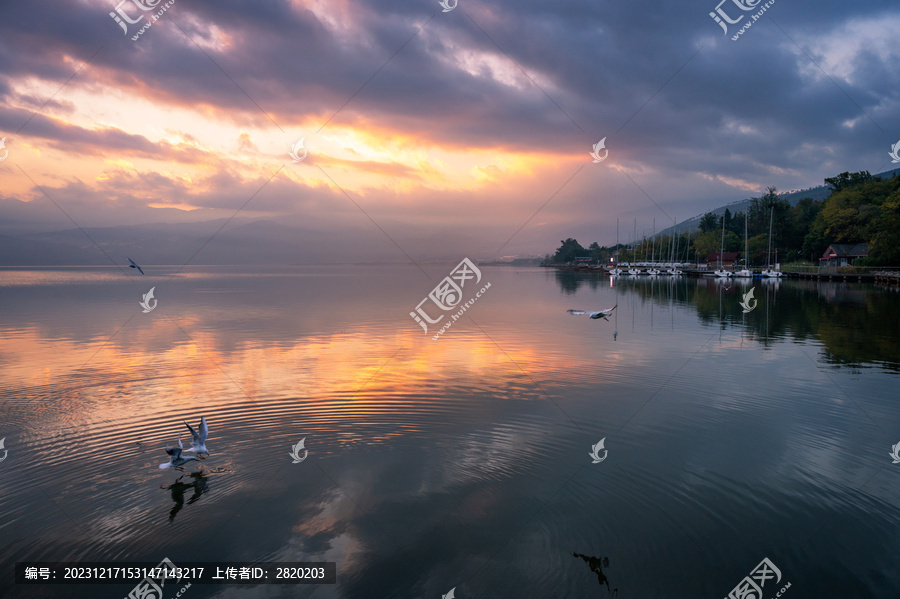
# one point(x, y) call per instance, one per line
point(860, 209)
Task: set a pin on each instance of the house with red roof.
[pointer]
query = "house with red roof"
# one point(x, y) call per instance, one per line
point(729, 259)
point(843, 254)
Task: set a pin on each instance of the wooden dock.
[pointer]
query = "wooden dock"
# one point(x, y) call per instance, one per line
point(882, 277)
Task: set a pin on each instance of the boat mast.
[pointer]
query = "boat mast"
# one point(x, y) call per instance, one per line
point(769, 250)
point(674, 251)
point(687, 247)
point(746, 246)
point(722, 246)
point(672, 248)
point(634, 245)
point(617, 243)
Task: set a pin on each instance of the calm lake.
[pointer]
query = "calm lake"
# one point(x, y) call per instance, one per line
point(458, 463)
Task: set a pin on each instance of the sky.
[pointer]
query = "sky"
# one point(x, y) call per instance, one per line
point(429, 133)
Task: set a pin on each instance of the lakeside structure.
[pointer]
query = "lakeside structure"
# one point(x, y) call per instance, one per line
point(844, 254)
point(836, 264)
point(889, 275)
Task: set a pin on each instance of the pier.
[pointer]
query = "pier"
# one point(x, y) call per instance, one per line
point(850, 274)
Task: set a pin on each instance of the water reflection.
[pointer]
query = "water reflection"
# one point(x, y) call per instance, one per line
point(426, 454)
point(570, 281)
point(199, 485)
point(597, 564)
point(841, 316)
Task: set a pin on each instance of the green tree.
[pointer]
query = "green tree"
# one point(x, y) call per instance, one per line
point(803, 215)
point(733, 243)
point(846, 179)
point(760, 211)
point(706, 243)
point(884, 248)
point(709, 222)
point(770, 207)
point(736, 225)
point(568, 251)
point(758, 245)
point(815, 241)
point(849, 216)
point(861, 209)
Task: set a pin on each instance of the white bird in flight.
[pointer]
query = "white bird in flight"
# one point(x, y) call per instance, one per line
point(599, 314)
point(175, 459)
point(133, 265)
point(198, 440)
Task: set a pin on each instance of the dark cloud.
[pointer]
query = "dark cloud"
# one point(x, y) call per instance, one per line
point(687, 111)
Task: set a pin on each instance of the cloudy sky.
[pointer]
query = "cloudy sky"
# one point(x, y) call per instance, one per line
point(440, 134)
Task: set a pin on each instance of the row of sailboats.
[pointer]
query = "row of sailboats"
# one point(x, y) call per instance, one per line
point(768, 273)
point(745, 273)
point(653, 270)
point(720, 271)
point(673, 270)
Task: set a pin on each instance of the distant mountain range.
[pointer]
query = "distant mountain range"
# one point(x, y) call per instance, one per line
point(175, 244)
point(38, 233)
point(816, 193)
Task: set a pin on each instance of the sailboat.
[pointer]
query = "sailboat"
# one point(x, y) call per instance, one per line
point(721, 272)
point(616, 271)
point(632, 270)
point(673, 270)
point(687, 247)
point(769, 272)
point(745, 272)
point(653, 270)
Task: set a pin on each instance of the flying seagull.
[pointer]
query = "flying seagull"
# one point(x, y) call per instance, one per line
point(133, 265)
point(175, 459)
point(198, 440)
point(595, 315)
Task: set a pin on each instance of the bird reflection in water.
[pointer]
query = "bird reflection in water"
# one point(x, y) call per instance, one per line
point(597, 564)
point(199, 485)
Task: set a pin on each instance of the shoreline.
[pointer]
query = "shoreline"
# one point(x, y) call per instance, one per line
point(888, 276)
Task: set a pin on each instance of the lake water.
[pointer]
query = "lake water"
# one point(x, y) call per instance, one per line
point(461, 462)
